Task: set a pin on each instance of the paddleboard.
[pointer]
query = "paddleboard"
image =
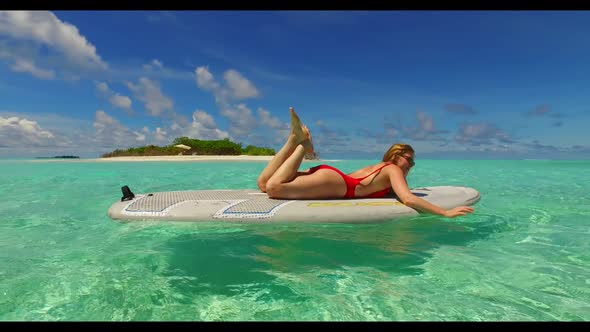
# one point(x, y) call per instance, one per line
point(253, 206)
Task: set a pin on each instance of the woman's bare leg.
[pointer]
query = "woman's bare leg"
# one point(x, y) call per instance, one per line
point(288, 170)
point(287, 183)
point(299, 133)
point(276, 162)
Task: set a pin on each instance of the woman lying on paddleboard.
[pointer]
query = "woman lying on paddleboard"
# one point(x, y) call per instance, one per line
point(281, 179)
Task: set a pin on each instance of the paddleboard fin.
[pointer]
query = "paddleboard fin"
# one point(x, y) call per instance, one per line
point(127, 194)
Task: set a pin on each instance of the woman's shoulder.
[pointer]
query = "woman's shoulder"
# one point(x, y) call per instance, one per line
point(382, 165)
point(389, 166)
point(377, 165)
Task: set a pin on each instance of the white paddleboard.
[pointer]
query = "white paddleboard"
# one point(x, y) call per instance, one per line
point(253, 206)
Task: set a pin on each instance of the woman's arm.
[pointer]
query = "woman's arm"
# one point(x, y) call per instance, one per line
point(401, 189)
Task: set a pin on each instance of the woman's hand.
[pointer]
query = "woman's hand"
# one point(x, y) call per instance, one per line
point(458, 211)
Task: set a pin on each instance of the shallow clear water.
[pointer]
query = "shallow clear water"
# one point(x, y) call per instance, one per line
point(522, 255)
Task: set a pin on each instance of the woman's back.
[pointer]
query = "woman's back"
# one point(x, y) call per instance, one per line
point(372, 179)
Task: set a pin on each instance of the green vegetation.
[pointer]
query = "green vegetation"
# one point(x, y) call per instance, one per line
point(252, 150)
point(199, 147)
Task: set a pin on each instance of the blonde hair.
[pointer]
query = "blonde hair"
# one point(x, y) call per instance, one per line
point(397, 150)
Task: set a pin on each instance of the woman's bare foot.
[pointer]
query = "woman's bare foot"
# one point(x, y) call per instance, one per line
point(308, 144)
point(300, 133)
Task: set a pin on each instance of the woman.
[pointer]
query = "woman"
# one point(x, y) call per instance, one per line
point(282, 180)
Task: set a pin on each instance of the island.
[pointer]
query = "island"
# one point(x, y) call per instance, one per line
point(60, 157)
point(194, 147)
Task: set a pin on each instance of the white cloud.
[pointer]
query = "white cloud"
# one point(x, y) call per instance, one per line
point(424, 131)
point(92, 138)
point(51, 134)
point(149, 92)
point(28, 66)
point(110, 133)
point(331, 138)
point(266, 119)
point(481, 133)
point(102, 87)
point(426, 122)
point(239, 86)
point(140, 137)
point(160, 135)
point(205, 79)
point(154, 64)
point(157, 63)
point(146, 137)
point(392, 132)
point(204, 119)
point(123, 102)
point(279, 130)
point(203, 126)
point(104, 122)
point(22, 132)
point(43, 27)
point(117, 100)
point(242, 121)
point(151, 70)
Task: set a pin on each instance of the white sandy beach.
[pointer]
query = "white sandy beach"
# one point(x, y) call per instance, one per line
point(187, 158)
point(169, 158)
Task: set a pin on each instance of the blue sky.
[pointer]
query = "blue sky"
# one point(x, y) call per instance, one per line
point(453, 84)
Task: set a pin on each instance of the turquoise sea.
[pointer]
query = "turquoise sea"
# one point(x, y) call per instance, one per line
point(523, 255)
